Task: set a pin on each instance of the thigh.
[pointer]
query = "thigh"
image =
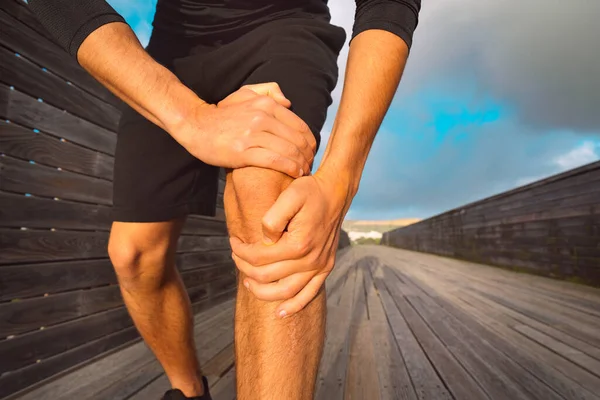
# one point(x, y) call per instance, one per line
point(301, 56)
point(155, 178)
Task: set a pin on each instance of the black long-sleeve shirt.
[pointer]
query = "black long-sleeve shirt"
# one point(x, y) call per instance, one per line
point(71, 21)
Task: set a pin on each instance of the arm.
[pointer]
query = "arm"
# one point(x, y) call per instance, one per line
point(103, 44)
point(305, 220)
point(100, 40)
point(384, 55)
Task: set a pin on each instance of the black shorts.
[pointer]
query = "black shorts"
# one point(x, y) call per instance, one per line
point(156, 179)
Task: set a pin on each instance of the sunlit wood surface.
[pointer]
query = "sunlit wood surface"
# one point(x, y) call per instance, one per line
point(404, 325)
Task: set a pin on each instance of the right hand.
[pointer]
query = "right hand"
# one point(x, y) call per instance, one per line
point(251, 127)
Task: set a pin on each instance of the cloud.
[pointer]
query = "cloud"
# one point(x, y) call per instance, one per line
point(417, 169)
point(581, 155)
point(539, 56)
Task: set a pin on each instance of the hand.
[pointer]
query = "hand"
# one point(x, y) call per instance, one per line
point(251, 127)
point(294, 268)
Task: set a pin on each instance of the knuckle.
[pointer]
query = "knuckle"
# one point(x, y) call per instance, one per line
point(264, 102)
point(262, 276)
point(258, 118)
point(287, 291)
point(239, 145)
point(269, 224)
point(303, 247)
point(252, 259)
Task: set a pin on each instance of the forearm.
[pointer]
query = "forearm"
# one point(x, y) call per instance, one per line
point(375, 64)
point(113, 55)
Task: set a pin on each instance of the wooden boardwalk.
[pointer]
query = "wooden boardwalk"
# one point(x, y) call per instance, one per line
point(404, 325)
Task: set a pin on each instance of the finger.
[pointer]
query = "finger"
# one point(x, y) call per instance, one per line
point(283, 131)
point(282, 290)
point(292, 120)
point(279, 144)
point(277, 218)
point(259, 254)
point(270, 89)
point(305, 296)
point(271, 272)
point(303, 134)
point(265, 158)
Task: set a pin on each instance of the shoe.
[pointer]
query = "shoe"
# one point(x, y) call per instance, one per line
point(176, 394)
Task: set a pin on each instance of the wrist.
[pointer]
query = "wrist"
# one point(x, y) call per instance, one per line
point(344, 181)
point(181, 112)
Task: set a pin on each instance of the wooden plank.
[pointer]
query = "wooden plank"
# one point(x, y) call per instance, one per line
point(22, 281)
point(576, 356)
point(101, 374)
point(32, 314)
point(24, 177)
point(332, 373)
point(426, 382)
point(29, 348)
point(585, 335)
point(210, 340)
point(36, 212)
point(22, 33)
point(128, 382)
point(362, 380)
point(19, 246)
point(394, 380)
point(186, 261)
point(572, 380)
point(19, 10)
point(220, 364)
point(544, 373)
point(26, 144)
point(18, 380)
point(470, 355)
point(31, 113)
point(458, 381)
point(37, 245)
point(29, 78)
point(488, 346)
point(205, 226)
point(18, 210)
point(188, 243)
point(225, 387)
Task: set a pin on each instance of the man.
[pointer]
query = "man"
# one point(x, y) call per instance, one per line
point(245, 85)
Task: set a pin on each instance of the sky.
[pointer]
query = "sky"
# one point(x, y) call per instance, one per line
point(495, 94)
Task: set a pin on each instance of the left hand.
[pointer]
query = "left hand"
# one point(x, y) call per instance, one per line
point(295, 266)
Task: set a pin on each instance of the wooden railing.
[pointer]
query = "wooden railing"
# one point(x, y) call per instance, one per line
point(60, 305)
point(550, 227)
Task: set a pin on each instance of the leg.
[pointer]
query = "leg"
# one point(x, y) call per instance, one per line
point(276, 359)
point(143, 255)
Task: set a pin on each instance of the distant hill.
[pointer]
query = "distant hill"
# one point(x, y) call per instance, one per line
point(364, 229)
point(377, 226)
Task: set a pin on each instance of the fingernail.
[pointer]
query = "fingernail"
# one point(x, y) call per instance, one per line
point(282, 314)
point(247, 284)
point(301, 172)
point(267, 240)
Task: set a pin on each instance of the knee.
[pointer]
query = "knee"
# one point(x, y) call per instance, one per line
point(249, 193)
point(137, 264)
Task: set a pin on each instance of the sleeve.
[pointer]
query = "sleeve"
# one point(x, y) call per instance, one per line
point(399, 17)
point(71, 21)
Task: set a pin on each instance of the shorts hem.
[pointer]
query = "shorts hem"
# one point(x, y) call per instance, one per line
point(122, 214)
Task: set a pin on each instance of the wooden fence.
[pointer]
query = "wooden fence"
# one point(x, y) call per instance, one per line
point(550, 227)
point(60, 305)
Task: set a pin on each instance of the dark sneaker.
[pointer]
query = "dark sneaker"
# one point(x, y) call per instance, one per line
point(176, 394)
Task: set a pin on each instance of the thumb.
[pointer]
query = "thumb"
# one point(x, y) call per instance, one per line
point(277, 218)
point(272, 90)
